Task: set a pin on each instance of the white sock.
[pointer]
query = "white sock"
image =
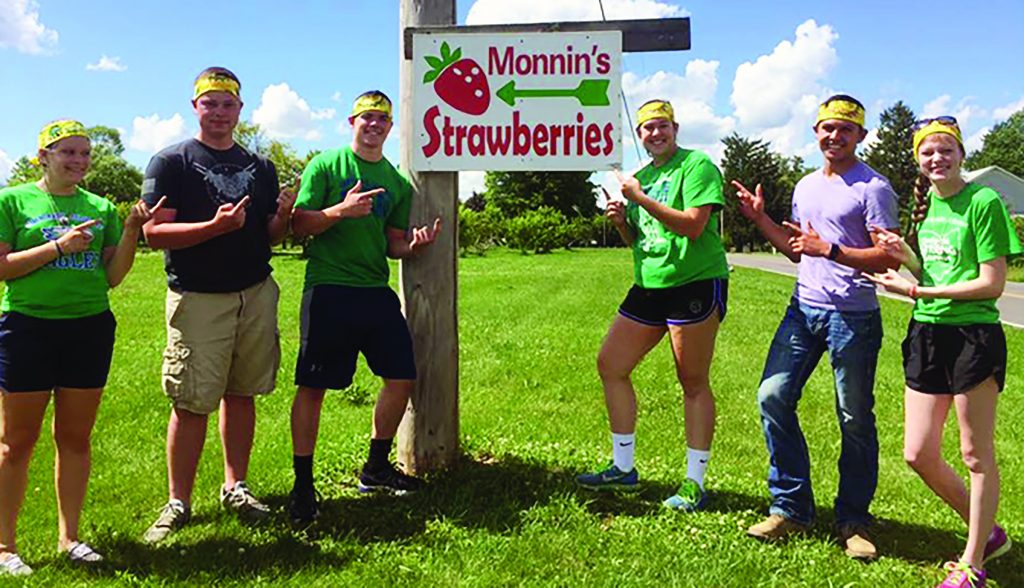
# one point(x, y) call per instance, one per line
point(697, 464)
point(623, 447)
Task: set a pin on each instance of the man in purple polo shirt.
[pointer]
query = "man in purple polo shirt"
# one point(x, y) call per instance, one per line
point(833, 309)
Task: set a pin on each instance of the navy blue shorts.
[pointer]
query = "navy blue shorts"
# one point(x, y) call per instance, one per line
point(39, 354)
point(339, 322)
point(679, 305)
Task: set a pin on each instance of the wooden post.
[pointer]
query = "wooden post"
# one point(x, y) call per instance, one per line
point(429, 433)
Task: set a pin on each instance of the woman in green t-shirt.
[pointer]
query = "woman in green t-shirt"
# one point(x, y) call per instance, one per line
point(954, 354)
point(670, 219)
point(61, 249)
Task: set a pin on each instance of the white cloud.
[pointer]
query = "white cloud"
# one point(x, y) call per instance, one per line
point(776, 96)
point(976, 140)
point(151, 133)
point(871, 139)
point(20, 28)
point(937, 107)
point(1004, 112)
point(106, 64)
point(6, 163)
point(283, 114)
point(691, 95)
point(503, 11)
point(469, 182)
point(336, 96)
point(964, 111)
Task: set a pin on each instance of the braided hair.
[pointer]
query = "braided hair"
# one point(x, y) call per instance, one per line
point(921, 198)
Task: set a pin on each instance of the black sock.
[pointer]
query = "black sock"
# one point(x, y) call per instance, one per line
point(303, 466)
point(380, 452)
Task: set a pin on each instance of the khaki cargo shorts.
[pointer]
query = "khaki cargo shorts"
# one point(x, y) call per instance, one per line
point(220, 343)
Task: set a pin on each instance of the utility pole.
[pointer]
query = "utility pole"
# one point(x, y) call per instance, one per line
point(429, 433)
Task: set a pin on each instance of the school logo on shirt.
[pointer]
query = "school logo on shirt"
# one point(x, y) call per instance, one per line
point(940, 249)
point(227, 183)
point(381, 202)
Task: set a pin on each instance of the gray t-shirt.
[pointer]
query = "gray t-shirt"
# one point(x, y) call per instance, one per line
point(841, 209)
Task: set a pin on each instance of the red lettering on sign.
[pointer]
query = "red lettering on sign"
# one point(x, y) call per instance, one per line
point(434, 138)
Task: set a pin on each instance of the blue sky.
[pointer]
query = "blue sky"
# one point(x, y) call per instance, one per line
point(757, 68)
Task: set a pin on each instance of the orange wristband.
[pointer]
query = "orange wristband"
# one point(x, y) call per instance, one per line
point(913, 292)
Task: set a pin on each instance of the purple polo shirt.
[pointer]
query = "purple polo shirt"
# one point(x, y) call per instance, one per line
point(841, 209)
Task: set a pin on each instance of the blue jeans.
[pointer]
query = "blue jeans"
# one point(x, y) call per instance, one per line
point(853, 340)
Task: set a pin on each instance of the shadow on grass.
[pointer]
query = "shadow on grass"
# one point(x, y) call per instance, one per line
point(215, 557)
point(485, 493)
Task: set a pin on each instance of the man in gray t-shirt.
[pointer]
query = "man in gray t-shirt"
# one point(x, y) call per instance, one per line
point(833, 309)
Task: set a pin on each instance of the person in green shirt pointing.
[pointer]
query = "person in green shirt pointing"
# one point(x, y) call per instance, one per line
point(670, 219)
point(355, 207)
point(954, 354)
point(61, 249)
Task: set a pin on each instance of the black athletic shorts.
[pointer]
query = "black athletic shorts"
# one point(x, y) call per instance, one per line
point(679, 305)
point(952, 359)
point(339, 322)
point(39, 354)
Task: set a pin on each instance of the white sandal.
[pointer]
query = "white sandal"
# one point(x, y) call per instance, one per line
point(81, 552)
point(13, 566)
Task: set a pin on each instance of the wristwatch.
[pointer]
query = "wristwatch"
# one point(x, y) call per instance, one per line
point(834, 252)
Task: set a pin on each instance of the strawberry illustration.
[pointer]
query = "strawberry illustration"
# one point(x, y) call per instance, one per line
point(461, 83)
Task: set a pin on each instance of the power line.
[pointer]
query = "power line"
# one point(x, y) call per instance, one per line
point(625, 104)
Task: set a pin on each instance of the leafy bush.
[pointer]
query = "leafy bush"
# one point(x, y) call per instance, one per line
point(479, 231)
point(539, 230)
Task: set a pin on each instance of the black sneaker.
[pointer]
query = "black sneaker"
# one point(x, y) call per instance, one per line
point(388, 480)
point(303, 506)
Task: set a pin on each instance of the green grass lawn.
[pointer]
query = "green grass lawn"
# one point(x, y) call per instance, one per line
point(532, 417)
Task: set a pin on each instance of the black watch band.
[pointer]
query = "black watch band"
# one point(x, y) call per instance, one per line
point(834, 252)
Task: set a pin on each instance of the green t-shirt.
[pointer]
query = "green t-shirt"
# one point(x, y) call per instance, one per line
point(956, 237)
point(74, 285)
point(661, 258)
point(353, 252)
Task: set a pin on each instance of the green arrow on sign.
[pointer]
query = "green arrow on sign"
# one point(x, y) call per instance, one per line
point(588, 92)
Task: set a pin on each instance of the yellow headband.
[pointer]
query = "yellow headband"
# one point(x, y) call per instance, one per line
point(655, 109)
point(216, 83)
point(368, 102)
point(61, 129)
point(933, 128)
point(841, 110)
point(57, 130)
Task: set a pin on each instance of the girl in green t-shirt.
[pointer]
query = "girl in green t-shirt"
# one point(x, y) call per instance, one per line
point(955, 351)
point(61, 249)
point(680, 289)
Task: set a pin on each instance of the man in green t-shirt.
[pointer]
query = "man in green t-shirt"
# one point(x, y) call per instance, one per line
point(355, 205)
point(670, 218)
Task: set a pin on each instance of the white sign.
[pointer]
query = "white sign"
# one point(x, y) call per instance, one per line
point(517, 101)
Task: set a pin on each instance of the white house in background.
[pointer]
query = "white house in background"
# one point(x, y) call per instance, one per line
point(1009, 186)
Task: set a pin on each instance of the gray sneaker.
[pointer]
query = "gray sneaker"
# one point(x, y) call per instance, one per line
point(240, 500)
point(173, 516)
point(13, 566)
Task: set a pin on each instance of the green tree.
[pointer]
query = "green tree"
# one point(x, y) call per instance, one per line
point(477, 202)
point(752, 162)
point(24, 171)
point(892, 155)
point(105, 140)
point(288, 164)
point(113, 177)
point(514, 193)
point(1003, 146)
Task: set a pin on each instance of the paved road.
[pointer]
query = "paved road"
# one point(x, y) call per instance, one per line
point(1011, 305)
